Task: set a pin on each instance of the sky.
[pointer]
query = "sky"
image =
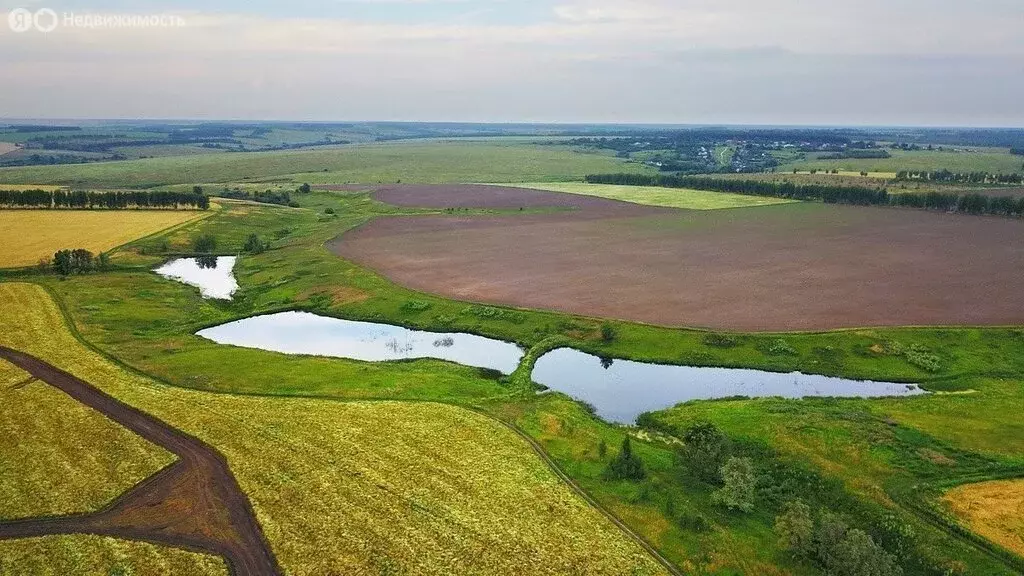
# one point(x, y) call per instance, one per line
point(821, 62)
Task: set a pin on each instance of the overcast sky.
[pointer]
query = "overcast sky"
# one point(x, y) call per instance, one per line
point(906, 62)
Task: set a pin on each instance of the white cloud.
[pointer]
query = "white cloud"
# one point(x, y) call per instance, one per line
point(642, 60)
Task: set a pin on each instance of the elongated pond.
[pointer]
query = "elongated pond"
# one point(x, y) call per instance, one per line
point(305, 333)
point(621, 390)
point(211, 274)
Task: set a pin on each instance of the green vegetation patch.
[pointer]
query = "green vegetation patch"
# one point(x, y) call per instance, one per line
point(658, 196)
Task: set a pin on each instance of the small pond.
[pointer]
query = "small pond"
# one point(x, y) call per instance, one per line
point(305, 333)
point(211, 274)
point(621, 390)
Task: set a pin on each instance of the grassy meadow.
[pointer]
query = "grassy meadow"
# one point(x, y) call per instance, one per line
point(432, 162)
point(28, 236)
point(658, 196)
point(991, 160)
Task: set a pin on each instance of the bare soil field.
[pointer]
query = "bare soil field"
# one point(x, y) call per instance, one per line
point(195, 503)
point(776, 268)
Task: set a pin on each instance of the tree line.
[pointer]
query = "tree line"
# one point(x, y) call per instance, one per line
point(960, 177)
point(829, 194)
point(82, 199)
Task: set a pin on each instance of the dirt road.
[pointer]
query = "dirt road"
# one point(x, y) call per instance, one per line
point(195, 503)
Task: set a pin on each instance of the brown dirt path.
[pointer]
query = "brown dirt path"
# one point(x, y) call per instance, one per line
point(195, 503)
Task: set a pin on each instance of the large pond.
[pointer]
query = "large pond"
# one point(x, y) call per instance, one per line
point(621, 390)
point(212, 275)
point(305, 333)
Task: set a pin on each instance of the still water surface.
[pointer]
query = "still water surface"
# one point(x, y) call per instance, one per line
point(621, 390)
point(305, 333)
point(212, 275)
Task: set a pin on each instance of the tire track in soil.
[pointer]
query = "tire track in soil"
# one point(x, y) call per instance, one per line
point(195, 503)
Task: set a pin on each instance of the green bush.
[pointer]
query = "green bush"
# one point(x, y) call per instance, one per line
point(740, 485)
point(491, 313)
point(693, 522)
point(416, 306)
point(254, 245)
point(625, 465)
point(705, 451)
point(721, 340)
point(780, 347)
point(204, 243)
point(608, 333)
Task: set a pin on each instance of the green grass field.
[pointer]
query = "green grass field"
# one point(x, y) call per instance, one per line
point(657, 196)
point(990, 160)
point(433, 162)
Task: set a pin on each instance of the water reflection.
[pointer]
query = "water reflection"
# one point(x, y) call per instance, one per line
point(211, 274)
point(305, 333)
point(621, 390)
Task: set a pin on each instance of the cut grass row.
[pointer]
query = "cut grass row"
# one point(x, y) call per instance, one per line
point(371, 486)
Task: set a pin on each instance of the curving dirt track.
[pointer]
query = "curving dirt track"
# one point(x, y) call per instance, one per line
point(195, 503)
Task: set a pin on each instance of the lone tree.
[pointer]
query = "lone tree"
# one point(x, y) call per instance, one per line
point(305, 188)
point(740, 485)
point(204, 243)
point(705, 451)
point(254, 245)
point(795, 528)
point(625, 465)
point(607, 333)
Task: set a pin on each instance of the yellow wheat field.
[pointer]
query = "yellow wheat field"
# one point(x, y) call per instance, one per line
point(994, 510)
point(60, 456)
point(82, 555)
point(364, 487)
point(26, 236)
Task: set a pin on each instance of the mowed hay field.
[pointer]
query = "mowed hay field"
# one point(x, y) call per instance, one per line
point(364, 487)
point(658, 196)
point(994, 510)
point(27, 236)
point(803, 266)
point(992, 160)
point(432, 162)
point(81, 555)
point(61, 457)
